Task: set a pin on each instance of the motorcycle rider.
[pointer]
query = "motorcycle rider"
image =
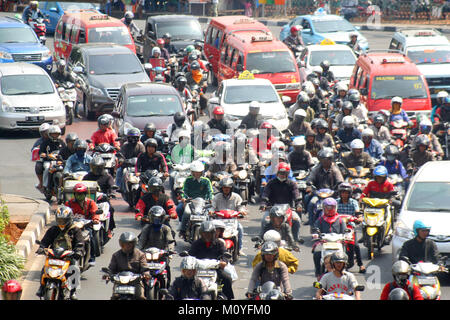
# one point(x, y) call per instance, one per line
point(52, 144)
point(187, 286)
point(322, 136)
point(380, 131)
point(150, 132)
point(440, 102)
point(299, 126)
point(372, 146)
point(326, 72)
point(294, 39)
point(80, 160)
point(151, 159)
point(222, 160)
point(200, 136)
point(341, 92)
point(271, 268)
point(278, 222)
point(264, 140)
point(340, 280)
point(357, 156)
point(401, 272)
point(228, 200)
point(251, 120)
point(39, 166)
point(69, 149)
point(195, 76)
point(130, 258)
point(170, 47)
point(180, 122)
point(181, 86)
point(393, 165)
point(299, 158)
point(359, 110)
point(218, 122)
point(421, 154)
point(425, 127)
point(129, 23)
point(208, 247)
point(11, 290)
point(312, 146)
point(397, 113)
point(184, 151)
point(33, 12)
point(104, 134)
point(349, 132)
point(164, 53)
point(66, 235)
point(442, 113)
point(353, 43)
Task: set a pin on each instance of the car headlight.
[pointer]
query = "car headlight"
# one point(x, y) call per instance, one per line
point(47, 54)
point(7, 108)
point(293, 86)
point(5, 55)
point(402, 231)
point(96, 91)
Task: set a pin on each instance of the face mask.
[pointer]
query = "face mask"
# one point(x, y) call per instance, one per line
point(282, 178)
point(390, 158)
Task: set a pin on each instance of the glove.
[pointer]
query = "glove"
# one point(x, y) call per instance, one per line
point(76, 255)
point(40, 250)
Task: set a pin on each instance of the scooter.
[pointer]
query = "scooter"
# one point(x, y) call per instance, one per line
point(107, 152)
point(287, 213)
point(68, 96)
point(199, 210)
point(322, 194)
point(124, 283)
point(179, 175)
point(130, 182)
point(39, 27)
point(242, 181)
point(358, 178)
point(399, 132)
point(91, 243)
point(157, 263)
point(55, 167)
point(329, 243)
point(268, 291)
point(335, 295)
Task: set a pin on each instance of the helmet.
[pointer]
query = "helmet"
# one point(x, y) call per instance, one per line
point(418, 224)
point(367, 133)
point(52, 131)
point(310, 133)
point(345, 186)
point(183, 134)
point(188, 263)
point(425, 126)
point(34, 3)
point(422, 140)
point(398, 294)
point(80, 188)
point(325, 64)
point(338, 256)
point(340, 86)
point(318, 70)
point(151, 142)
point(193, 56)
point(322, 124)
point(352, 34)
point(218, 110)
point(226, 182)
point(160, 41)
point(254, 105)
point(278, 145)
point(71, 136)
point(156, 50)
point(284, 167)
point(155, 184)
point(80, 145)
point(127, 237)
point(299, 142)
point(391, 152)
point(207, 226)
point(97, 165)
point(300, 113)
point(380, 171)
point(354, 97)
point(401, 271)
point(296, 28)
point(150, 127)
point(396, 99)
point(190, 48)
point(352, 91)
point(303, 97)
point(44, 127)
point(442, 94)
point(271, 248)
point(329, 202)
point(348, 122)
point(167, 36)
point(181, 80)
point(315, 81)
point(63, 216)
point(103, 120)
point(157, 214)
point(347, 105)
point(179, 118)
point(357, 144)
point(133, 134)
point(128, 15)
point(197, 166)
point(378, 118)
point(276, 212)
point(272, 235)
point(195, 65)
point(12, 286)
point(219, 224)
point(61, 63)
point(265, 125)
point(325, 153)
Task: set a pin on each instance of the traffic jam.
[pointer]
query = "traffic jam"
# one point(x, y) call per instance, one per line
point(240, 155)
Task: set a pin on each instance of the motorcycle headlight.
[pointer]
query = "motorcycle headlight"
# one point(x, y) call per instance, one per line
point(5, 55)
point(402, 231)
point(54, 272)
point(96, 91)
point(47, 54)
point(243, 174)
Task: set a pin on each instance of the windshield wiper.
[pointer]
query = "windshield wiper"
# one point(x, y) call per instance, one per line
point(438, 210)
point(386, 97)
point(284, 71)
point(416, 97)
point(29, 92)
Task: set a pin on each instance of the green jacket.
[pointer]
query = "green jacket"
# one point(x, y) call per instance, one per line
point(198, 189)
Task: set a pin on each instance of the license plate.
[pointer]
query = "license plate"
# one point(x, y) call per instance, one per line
point(426, 281)
point(206, 273)
point(153, 265)
point(198, 218)
point(55, 262)
point(125, 290)
point(34, 118)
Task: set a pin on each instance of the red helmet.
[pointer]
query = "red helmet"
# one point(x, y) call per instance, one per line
point(284, 167)
point(265, 125)
point(12, 286)
point(218, 110)
point(160, 41)
point(80, 188)
point(296, 28)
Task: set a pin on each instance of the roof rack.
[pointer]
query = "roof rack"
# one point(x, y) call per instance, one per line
point(420, 32)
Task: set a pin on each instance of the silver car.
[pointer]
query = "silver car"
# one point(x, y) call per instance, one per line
point(28, 98)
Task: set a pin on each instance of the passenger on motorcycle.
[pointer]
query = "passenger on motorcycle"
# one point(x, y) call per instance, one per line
point(66, 235)
point(104, 134)
point(52, 144)
point(340, 280)
point(397, 113)
point(421, 248)
point(299, 158)
point(69, 149)
point(441, 112)
point(299, 126)
point(218, 122)
point(421, 154)
point(401, 272)
point(184, 91)
point(129, 23)
point(312, 146)
point(164, 53)
point(195, 186)
point(392, 164)
point(150, 132)
point(314, 100)
point(326, 72)
point(209, 247)
point(348, 132)
point(284, 255)
point(294, 39)
point(357, 156)
point(372, 146)
point(341, 92)
point(359, 110)
point(33, 12)
point(184, 151)
point(187, 286)
point(270, 269)
point(322, 136)
point(151, 159)
point(130, 258)
point(180, 123)
point(156, 53)
point(252, 119)
point(302, 103)
point(278, 222)
point(380, 131)
point(425, 127)
point(80, 160)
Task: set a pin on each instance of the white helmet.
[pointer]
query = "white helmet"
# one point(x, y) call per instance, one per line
point(188, 263)
point(425, 122)
point(278, 145)
point(442, 94)
point(299, 141)
point(317, 69)
point(341, 86)
point(183, 133)
point(272, 235)
point(357, 144)
point(300, 113)
point(348, 121)
point(44, 127)
point(396, 99)
point(129, 15)
point(367, 133)
point(197, 166)
point(254, 105)
point(156, 49)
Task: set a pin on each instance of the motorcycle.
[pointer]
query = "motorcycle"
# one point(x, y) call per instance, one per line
point(322, 194)
point(93, 243)
point(377, 224)
point(107, 152)
point(157, 263)
point(397, 181)
point(443, 133)
point(130, 182)
point(300, 177)
point(55, 168)
point(39, 27)
point(399, 132)
point(68, 96)
point(335, 295)
point(268, 291)
point(199, 211)
point(329, 243)
point(242, 181)
point(180, 172)
point(124, 283)
point(55, 278)
point(358, 178)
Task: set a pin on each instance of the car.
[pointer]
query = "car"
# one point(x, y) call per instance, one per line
point(341, 57)
point(430, 51)
point(29, 98)
point(19, 43)
point(55, 10)
point(184, 30)
point(100, 70)
point(143, 102)
point(427, 199)
point(320, 26)
point(235, 95)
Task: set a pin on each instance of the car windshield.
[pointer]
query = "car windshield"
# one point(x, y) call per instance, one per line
point(430, 55)
point(118, 35)
point(247, 94)
point(263, 62)
point(429, 196)
point(326, 26)
point(126, 63)
point(153, 105)
point(407, 87)
point(336, 58)
point(180, 30)
point(26, 84)
point(76, 5)
point(17, 35)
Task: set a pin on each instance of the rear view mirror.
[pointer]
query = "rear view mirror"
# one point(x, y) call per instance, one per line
point(359, 288)
point(148, 66)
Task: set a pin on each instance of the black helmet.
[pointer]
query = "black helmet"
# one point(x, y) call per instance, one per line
point(324, 83)
point(271, 248)
point(64, 215)
point(133, 135)
point(339, 256)
point(181, 80)
point(157, 214)
point(207, 226)
point(167, 36)
point(151, 142)
point(127, 237)
point(71, 136)
point(80, 145)
point(314, 122)
point(422, 140)
point(150, 127)
point(325, 153)
point(226, 182)
point(277, 212)
point(155, 184)
point(325, 64)
point(97, 165)
point(354, 97)
point(398, 294)
point(195, 65)
point(338, 103)
point(347, 105)
point(179, 118)
point(378, 118)
point(345, 186)
point(391, 150)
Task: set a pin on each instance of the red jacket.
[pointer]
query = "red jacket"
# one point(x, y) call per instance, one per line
point(146, 202)
point(393, 285)
point(88, 211)
point(108, 136)
point(374, 186)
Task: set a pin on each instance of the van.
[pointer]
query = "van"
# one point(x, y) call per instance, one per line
point(262, 55)
point(29, 98)
point(219, 29)
point(88, 26)
point(380, 76)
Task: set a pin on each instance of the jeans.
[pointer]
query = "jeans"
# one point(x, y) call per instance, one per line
point(240, 235)
point(119, 179)
point(180, 210)
point(108, 8)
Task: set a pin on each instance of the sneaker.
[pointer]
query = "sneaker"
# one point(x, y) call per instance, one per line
point(91, 263)
point(110, 234)
point(362, 269)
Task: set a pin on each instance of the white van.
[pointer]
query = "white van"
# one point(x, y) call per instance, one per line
point(28, 98)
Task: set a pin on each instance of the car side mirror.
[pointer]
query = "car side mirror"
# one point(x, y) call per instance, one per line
point(239, 68)
point(214, 100)
point(363, 91)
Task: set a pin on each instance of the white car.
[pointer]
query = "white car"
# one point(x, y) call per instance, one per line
point(428, 200)
point(28, 98)
point(235, 95)
point(341, 57)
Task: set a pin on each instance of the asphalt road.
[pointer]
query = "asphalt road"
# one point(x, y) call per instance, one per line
point(17, 177)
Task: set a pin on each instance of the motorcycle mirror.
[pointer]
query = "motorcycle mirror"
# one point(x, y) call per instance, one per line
point(88, 140)
point(244, 203)
point(106, 270)
point(115, 187)
point(183, 254)
point(317, 285)
point(115, 114)
point(227, 255)
point(38, 242)
point(406, 259)
point(348, 230)
point(359, 288)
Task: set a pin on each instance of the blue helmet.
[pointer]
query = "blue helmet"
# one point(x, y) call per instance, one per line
point(418, 224)
point(380, 171)
point(447, 99)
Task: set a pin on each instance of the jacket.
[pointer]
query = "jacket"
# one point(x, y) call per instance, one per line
point(156, 161)
point(201, 250)
point(223, 126)
point(75, 164)
point(232, 202)
point(322, 178)
point(159, 238)
point(374, 189)
point(108, 136)
point(88, 210)
point(278, 192)
point(183, 288)
point(350, 161)
point(129, 151)
point(194, 189)
point(280, 276)
point(410, 288)
point(300, 161)
point(49, 146)
point(283, 255)
point(416, 251)
point(374, 149)
point(146, 202)
point(299, 129)
point(73, 233)
point(134, 262)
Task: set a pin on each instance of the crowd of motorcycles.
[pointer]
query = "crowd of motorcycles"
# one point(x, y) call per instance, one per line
point(378, 214)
